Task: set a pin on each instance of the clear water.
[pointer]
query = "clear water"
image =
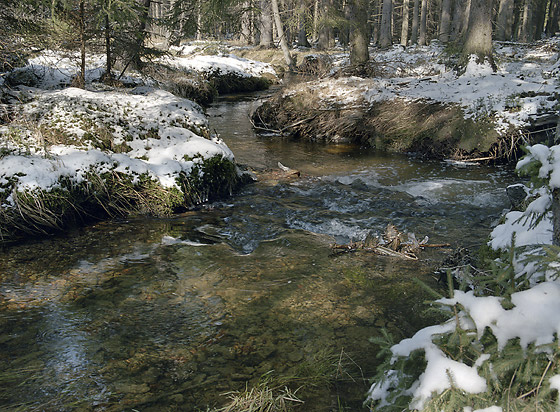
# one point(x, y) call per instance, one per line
point(171, 314)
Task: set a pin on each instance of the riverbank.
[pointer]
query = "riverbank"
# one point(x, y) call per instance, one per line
point(72, 155)
point(416, 100)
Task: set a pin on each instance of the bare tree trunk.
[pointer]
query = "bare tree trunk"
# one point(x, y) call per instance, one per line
point(385, 33)
point(315, 36)
point(302, 32)
point(246, 24)
point(553, 21)
point(479, 33)
point(280, 31)
point(445, 21)
point(404, 26)
point(504, 20)
point(81, 80)
point(525, 29)
point(109, 73)
point(359, 35)
point(422, 39)
point(539, 17)
point(199, 20)
point(414, 39)
point(266, 26)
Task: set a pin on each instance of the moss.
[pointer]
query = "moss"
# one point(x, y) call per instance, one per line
point(209, 180)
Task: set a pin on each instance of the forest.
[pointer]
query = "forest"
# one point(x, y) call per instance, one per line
point(284, 205)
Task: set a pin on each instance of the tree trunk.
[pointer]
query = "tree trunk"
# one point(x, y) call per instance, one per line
point(504, 20)
point(109, 73)
point(539, 16)
point(199, 20)
point(359, 35)
point(404, 26)
point(385, 34)
point(466, 18)
point(553, 21)
point(479, 34)
point(81, 81)
point(283, 41)
point(414, 35)
point(315, 36)
point(326, 31)
point(445, 21)
point(422, 37)
point(302, 32)
point(526, 27)
point(246, 24)
point(457, 23)
point(266, 37)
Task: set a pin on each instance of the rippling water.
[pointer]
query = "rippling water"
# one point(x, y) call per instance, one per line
point(170, 314)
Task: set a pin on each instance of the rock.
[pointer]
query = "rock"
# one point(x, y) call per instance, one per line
point(517, 195)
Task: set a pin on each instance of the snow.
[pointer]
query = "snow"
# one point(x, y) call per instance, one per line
point(162, 133)
point(221, 64)
point(512, 96)
point(541, 302)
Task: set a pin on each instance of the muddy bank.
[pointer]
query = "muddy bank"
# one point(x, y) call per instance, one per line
point(426, 128)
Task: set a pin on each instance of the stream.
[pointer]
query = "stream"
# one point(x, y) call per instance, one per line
point(176, 314)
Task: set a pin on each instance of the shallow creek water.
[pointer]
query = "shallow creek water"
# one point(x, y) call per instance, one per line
point(172, 314)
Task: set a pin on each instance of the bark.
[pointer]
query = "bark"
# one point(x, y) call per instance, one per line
point(525, 29)
point(457, 23)
point(479, 34)
point(109, 73)
point(359, 38)
point(199, 20)
point(553, 21)
point(445, 21)
point(422, 36)
point(404, 26)
point(246, 24)
point(326, 31)
point(82, 80)
point(414, 35)
point(280, 31)
point(504, 20)
point(385, 34)
point(302, 32)
point(315, 37)
point(266, 26)
point(539, 16)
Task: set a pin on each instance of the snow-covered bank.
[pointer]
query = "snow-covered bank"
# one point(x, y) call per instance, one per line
point(487, 106)
point(69, 153)
point(74, 152)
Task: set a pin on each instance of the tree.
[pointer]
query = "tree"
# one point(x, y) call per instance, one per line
point(414, 38)
point(385, 35)
point(479, 34)
point(504, 20)
point(266, 25)
point(280, 30)
point(422, 36)
point(359, 38)
point(404, 25)
point(445, 21)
